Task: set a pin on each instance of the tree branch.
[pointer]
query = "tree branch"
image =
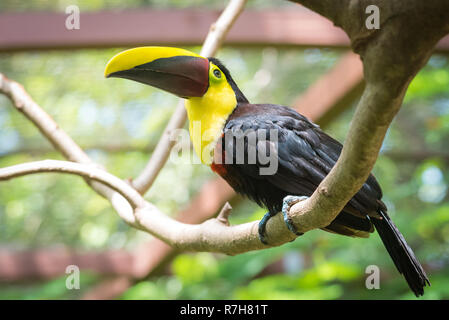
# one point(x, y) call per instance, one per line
point(392, 56)
point(87, 171)
point(213, 235)
point(149, 218)
point(215, 37)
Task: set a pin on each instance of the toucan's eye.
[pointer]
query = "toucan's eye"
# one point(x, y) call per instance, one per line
point(217, 73)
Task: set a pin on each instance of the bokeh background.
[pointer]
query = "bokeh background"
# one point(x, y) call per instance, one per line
point(119, 122)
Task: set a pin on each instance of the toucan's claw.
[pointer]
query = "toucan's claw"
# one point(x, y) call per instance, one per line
point(288, 202)
point(286, 205)
point(262, 227)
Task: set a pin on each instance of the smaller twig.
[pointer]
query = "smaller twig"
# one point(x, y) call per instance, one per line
point(145, 180)
point(217, 33)
point(220, 28)
point(223, 216)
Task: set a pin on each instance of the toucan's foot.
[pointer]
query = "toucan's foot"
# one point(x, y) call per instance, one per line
point(262, 227)
point(288, 202)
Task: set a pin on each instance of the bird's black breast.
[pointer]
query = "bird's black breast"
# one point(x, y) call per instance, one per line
point(304, 155)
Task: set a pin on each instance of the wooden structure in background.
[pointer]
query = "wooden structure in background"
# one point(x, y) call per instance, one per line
point(44, 31)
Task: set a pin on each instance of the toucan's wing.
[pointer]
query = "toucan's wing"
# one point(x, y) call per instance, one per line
point(305, 154)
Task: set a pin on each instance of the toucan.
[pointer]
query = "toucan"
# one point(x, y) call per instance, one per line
point(233, 137)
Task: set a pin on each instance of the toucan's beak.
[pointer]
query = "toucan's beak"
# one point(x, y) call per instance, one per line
point(177, 71)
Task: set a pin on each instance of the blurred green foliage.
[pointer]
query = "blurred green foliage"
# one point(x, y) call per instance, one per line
point(115, 119)
point(51, 289)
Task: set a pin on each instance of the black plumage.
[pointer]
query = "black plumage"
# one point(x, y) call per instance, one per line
point(305, 156)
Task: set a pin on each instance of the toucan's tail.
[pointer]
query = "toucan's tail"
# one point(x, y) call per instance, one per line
point(402, 255)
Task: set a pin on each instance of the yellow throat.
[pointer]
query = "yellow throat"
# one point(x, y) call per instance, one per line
point(208, 114)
